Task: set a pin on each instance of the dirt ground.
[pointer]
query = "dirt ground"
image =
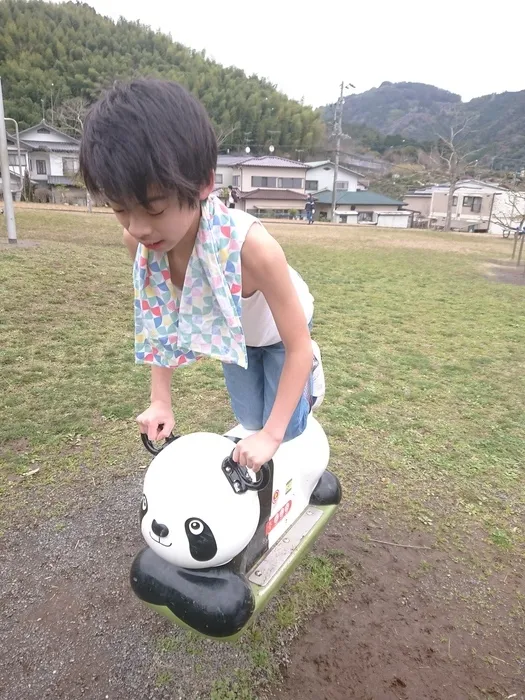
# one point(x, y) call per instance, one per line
point(417, 626)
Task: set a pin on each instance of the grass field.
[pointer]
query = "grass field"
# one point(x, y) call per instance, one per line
point(423, 354)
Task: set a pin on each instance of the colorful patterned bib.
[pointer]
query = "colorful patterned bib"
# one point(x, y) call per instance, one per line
point(174, 328)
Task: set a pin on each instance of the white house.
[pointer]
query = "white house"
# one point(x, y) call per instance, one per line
point(473, 204)
point(53, 155)
point(16, 172)
point(268, 186)
point(508, 212)
point(363, 207)
point(320, 176)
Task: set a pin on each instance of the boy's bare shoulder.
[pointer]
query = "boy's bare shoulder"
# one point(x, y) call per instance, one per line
point(131, 243)
point(262, 256)
point(260, 245)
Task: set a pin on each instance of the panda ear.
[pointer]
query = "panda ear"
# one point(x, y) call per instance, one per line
point(217, 602)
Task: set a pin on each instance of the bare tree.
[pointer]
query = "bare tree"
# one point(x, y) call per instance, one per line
point(70, 115)
point(453, 154)
point(222, 133)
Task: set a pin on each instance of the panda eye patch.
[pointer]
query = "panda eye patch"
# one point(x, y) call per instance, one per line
point(196, 527)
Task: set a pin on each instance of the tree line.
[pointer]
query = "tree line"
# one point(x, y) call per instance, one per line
point(56, 59)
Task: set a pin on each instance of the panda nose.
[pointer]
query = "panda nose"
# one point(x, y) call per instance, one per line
point(159, 529)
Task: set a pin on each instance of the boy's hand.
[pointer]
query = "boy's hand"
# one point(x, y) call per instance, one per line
point(256, 450)
point(157, 421)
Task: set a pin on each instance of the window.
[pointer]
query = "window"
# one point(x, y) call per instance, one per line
point(341, 185)
point(218, 178)
point(70, 166)
point(472, 203)
point(293, 182)
point(476, 204)
point(41, 167)
point(264, 181)
point(30, 165)
point(236, 180)
point(365, 216)
point(13, 160)
point(343, 218)
point(454, 201)
point(312, 185)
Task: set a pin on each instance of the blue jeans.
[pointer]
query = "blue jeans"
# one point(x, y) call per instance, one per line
point(252, 391)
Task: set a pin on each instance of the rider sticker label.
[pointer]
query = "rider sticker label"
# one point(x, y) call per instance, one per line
point(273, 522)
point(275, 497)
point(288, 486)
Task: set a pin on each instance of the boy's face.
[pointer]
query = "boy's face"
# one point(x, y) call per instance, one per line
point(163, 223)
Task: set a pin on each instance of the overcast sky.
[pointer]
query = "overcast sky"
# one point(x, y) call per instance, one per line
point(460, 45)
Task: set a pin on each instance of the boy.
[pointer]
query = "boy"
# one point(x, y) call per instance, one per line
point(208, 280)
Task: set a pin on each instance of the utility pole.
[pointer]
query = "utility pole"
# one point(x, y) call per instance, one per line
point(338, 121)
point(9, 210)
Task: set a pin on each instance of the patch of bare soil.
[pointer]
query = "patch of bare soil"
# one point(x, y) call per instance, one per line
point(505, 272)
point(70, 626)
point(417, 626)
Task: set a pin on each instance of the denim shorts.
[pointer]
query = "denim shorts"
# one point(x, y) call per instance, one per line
point(252, 391)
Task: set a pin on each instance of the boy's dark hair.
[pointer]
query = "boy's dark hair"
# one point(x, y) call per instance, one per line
point(147, 134)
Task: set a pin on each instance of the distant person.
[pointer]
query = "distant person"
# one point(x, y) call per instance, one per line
point(233, 197)
point(310, 208)
point(209, 280)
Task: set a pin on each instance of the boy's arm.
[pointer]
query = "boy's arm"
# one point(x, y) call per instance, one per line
point(266, 268)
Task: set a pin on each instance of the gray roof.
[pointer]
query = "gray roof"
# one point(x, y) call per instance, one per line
point(260, 161)
point(274, 162)
point(43, 124)
point(360, 197)
point(53, 146)
point(227, 160)
point(318, 163)
point(274, 195)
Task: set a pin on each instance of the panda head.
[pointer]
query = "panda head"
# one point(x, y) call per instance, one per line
point(190, 514)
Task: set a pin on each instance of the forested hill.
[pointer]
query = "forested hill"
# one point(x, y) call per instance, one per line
point(496, 123)
point(66, 54)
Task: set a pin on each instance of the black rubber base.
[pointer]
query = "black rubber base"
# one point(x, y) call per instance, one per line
point(327, 492)
point(217, 602)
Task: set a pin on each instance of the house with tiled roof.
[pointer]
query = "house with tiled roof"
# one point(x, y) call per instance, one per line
point(268, 186)
point(53, 155)
point(50, 157)
point(363, 207)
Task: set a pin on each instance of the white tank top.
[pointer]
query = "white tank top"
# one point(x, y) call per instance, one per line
point(257, 319)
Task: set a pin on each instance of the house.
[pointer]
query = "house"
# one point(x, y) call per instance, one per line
point(268, 186)
point(16, 171)
point(51, 158)
point(508, 211)
point(472, 204)
point(320, 176)
point(363, 207)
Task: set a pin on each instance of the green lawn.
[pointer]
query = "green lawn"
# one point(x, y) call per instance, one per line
point(423, 355)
